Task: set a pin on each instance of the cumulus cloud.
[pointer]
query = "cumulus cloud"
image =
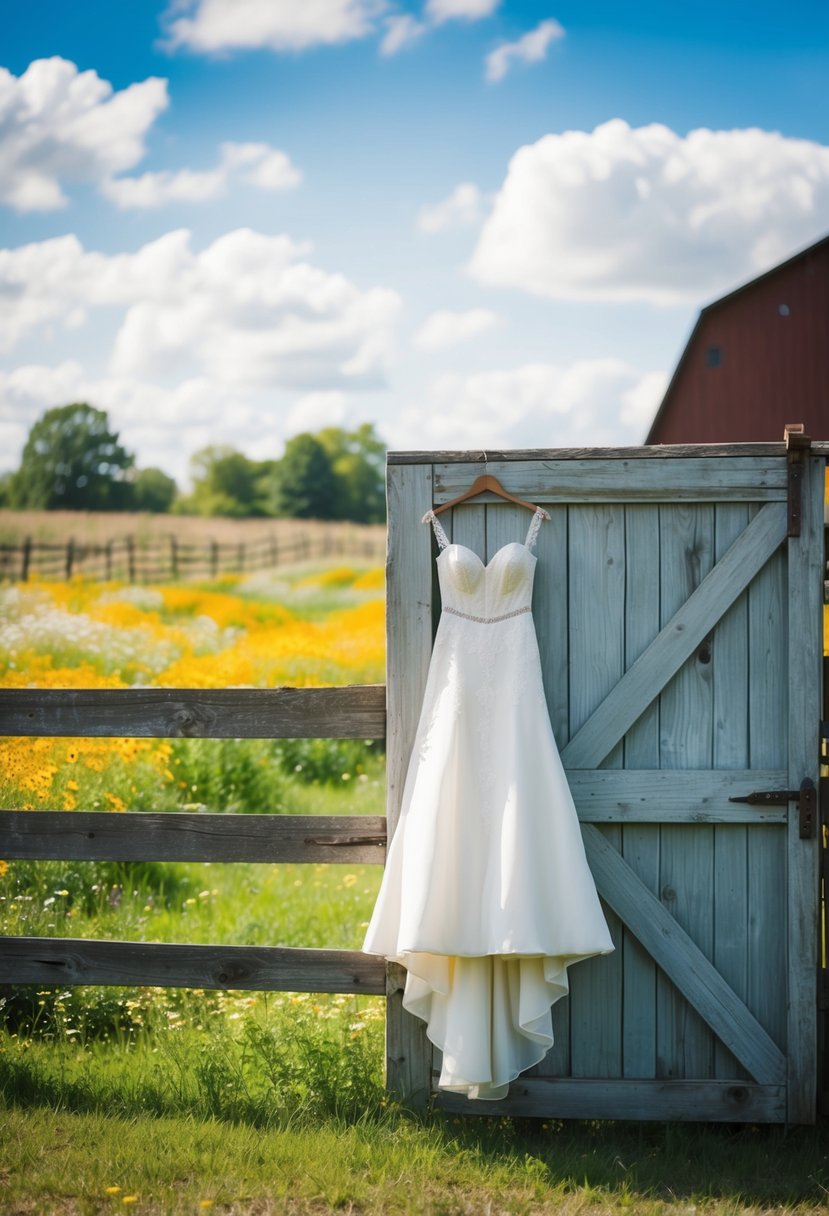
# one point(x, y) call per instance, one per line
point(59, 125)
point(445, 328)
point(313, 411)
point(464, 207)
point(280, 25)
point(529, 48)
point(402, 30)
point(439, 11)
point(258, 164)
point(587, 403)
point(647, 214)
point(247, 310)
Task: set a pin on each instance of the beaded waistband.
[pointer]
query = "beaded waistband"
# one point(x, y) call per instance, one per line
point(487, 620)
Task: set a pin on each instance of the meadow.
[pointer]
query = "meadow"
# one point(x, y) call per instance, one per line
point(179, 1101)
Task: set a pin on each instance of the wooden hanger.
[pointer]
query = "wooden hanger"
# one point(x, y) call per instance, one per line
point(485, 482)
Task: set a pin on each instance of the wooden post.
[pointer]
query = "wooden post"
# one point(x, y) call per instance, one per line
point(25, 559)
point(173, 557)
point(241, 560)
point(70, 558)
point(108, 559)
point(130, 544)
point(274, 550)
point(214, 558)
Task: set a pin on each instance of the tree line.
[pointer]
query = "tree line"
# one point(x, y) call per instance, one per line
point(73, 460)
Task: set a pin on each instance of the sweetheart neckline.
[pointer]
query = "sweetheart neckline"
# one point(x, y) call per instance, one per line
point(486, 565)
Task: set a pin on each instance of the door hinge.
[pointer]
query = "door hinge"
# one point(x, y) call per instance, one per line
point(797, 446)
point(805, 797)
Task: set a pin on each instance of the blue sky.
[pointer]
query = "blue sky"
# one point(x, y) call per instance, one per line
point(476, 224)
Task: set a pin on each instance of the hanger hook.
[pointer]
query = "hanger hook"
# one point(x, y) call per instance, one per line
point(486, 462)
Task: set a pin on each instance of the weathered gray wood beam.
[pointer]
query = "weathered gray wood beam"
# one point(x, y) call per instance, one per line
point(354, 711)
point(185, 836)
point(46, 960)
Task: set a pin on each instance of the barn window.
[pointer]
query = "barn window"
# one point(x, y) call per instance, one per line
point(713, 356)
point(783, 309)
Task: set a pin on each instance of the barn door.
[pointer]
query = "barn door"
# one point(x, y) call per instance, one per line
point(680, 631)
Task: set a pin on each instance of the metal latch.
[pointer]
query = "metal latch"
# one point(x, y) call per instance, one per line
point(805, 797)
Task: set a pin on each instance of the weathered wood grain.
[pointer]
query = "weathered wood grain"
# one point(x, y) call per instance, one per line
point(183, 836)
point(410, 590)
point(681, 636)
point(640, 840)
point(551, 1098)
point(622, 480)
point(354, 711)
point(806, 562)
point(699, 451)
point(683, 962)
point(47, 960)
point(685, 1046)
point(695, 796)
point(731, 751)
point(596, 651)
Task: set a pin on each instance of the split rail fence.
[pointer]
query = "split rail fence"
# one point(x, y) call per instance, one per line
point(350, 712)
point(168, 559)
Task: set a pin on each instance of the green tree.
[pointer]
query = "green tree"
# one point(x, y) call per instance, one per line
point(72, 460)
point(153, 490)
point(358, 461)
point(225, 482)
point(305, 483)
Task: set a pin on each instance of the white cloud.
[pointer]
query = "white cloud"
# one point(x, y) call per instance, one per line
point(439, 11)
point(247, 310)
point(255, 163)
point(280, 25)
point(313, 411)
point(59, 125)
point(401, 30)
point(529, 48)
point(464, 206)
point(647, 214)
point(587, 403)
point(445, 328)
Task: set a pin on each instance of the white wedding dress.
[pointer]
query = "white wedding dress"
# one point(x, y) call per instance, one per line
point(486, 898)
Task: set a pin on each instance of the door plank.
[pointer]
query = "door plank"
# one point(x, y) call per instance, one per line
point(685, 1046)
point(669, 796)
point(683, 962)
point(640, 840)
point(703, 1101)
point(805, 564)
point(601, 480)
point(597, 662)
point(409, 582)
point(731, 752)
point(678, 639)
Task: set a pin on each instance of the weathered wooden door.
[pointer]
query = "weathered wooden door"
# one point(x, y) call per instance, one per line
point(680, 633)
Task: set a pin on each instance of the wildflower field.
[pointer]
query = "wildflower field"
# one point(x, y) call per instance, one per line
point(180, 1101)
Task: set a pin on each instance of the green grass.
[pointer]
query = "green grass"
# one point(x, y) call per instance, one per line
point(60, 1162)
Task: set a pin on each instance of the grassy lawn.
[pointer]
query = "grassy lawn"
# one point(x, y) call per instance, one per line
point(184, 1101)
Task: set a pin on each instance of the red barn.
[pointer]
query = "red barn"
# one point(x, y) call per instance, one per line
point(756, 359)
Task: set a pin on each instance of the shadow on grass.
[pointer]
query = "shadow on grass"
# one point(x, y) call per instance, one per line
point(626, 1164)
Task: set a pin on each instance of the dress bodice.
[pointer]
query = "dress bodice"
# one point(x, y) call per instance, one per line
point(486, 592)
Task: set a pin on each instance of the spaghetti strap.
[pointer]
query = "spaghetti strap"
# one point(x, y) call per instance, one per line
point(442, 538)
point(535, 525)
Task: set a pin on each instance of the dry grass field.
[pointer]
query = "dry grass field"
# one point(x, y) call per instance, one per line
point(98, 527)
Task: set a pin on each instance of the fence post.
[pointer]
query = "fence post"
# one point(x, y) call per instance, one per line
point(25, 559)
point(173, 557)
point(70, 558)
point(108, 560)
point(241, 557)
point(274, 550)
point(214, 558)
point(130, 559)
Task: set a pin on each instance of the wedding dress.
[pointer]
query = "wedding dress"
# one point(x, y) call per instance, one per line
point(486, 897)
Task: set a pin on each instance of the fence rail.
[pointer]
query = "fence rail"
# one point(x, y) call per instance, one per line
point(350, 712)
point(169, 558)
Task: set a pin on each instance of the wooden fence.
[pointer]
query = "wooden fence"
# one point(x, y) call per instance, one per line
point(350, 712)
point(170, 559)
